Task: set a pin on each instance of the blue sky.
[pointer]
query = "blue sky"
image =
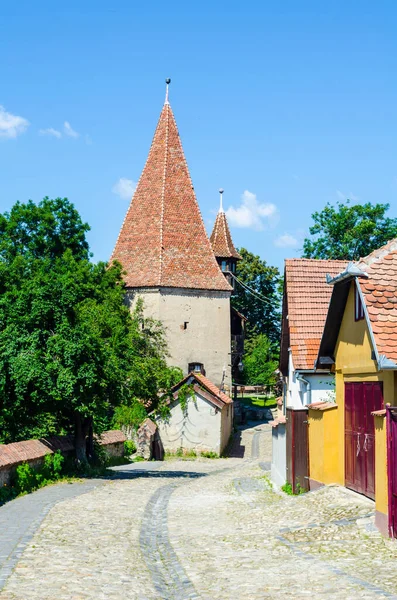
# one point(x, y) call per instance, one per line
point(286, 105)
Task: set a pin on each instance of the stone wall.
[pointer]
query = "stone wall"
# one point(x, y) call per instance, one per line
point(34, 451)
point(197, 326)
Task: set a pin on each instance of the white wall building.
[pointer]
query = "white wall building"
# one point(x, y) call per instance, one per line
point(204, 424)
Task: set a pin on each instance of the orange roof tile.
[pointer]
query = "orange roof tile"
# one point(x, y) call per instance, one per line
point(306, 302)
point(380, 294)
point(163, 241)
point(221, 240)
point(211, 387)
point(206, 384)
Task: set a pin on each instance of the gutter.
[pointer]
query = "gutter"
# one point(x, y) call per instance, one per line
point(308, 387)
point(351, 270)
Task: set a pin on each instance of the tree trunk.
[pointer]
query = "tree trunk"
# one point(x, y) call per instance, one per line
point(90, 440)
point(80, 434)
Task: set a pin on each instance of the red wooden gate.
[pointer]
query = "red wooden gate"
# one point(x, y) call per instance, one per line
point(360, 400)
point(297, 449)
point(392, 467)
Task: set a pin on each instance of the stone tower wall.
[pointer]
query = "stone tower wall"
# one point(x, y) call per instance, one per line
point(206, 336)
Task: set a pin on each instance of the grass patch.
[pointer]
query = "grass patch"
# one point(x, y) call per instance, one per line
point(189, 454)
point(287, 489)
point(258, 401)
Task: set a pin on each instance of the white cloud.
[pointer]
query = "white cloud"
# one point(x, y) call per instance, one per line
point(51, 132)
point(342, 196)
point(69, 131)
point(286, 241)
point(251, 214)
point(11, 125)
point(124, 188)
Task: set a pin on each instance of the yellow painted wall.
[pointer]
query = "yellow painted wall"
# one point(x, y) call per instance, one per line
point(381, 491)
point(353, 363)
point(323, 451)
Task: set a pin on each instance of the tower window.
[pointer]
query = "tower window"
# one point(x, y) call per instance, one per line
point(224, 265)
point(196, 368)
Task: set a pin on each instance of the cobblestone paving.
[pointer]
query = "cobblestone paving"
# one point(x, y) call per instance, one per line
point(205, 529)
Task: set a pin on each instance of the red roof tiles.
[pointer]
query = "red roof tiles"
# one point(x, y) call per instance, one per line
point(221, 240)
point(211, 387)
point(306, 303)
point(163, 241)
point(380, 294)
point(206, 385)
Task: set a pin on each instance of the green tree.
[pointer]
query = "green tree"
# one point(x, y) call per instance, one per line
point(70, 351)
point(261, 306)
point(259, 361)
point(348, 232)
point(42, 230)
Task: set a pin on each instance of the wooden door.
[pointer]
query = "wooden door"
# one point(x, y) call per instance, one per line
point(360, 400)
point(392, 468)
point(297, 449)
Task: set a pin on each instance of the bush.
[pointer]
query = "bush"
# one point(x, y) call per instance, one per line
point(209, 454)
point(129, 448)
point(27, 479)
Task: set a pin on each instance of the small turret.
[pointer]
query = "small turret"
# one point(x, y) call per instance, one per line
point(222, 245)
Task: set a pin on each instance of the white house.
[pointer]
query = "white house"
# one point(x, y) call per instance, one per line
point(202, 422)
point(305, 306)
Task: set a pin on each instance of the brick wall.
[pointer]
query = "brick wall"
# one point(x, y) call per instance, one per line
point(34, 451)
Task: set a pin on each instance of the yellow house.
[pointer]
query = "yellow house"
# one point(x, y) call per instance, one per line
point(347, 440)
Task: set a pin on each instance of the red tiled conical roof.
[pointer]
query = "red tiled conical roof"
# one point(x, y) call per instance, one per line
point(221, 240)
point(163, 241)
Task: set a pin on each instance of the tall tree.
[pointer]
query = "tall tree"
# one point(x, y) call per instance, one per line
point(257, 296)
point(259, 361)
point(348, 232)
point(69, 349)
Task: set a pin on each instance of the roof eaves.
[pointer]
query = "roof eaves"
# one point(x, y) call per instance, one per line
point(371, 333)
point(352, 270)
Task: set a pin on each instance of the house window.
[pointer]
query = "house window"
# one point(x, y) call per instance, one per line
point(224, 265)
point(358, 305)
point(196, 368)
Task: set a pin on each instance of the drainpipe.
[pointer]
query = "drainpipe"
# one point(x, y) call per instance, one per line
point(308, 387)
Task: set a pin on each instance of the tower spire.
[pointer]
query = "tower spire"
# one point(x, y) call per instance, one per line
point(167, 81)
point(220, 201)
point(163, 241)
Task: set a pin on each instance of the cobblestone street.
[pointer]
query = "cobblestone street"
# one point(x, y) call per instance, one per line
point(208, 529)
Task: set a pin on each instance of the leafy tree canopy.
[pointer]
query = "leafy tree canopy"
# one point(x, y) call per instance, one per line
point(43, 230)
point(348, 232)
point(262, 308)
point(70, 351)
point(259, 361)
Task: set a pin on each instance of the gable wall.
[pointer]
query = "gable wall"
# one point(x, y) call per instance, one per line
point(353, 363)
point(199, 429)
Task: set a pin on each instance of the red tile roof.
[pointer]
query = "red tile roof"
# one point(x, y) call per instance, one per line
point(380, 293)
point(306, 303)
point(205, 384)
point(18, 452)
point(211, 387)
point(221, 240)
point(322, 406)
point(163, 241)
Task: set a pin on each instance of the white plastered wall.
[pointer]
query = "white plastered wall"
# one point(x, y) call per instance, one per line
point(296, 394)
point(202, 428)
point(206, 336)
